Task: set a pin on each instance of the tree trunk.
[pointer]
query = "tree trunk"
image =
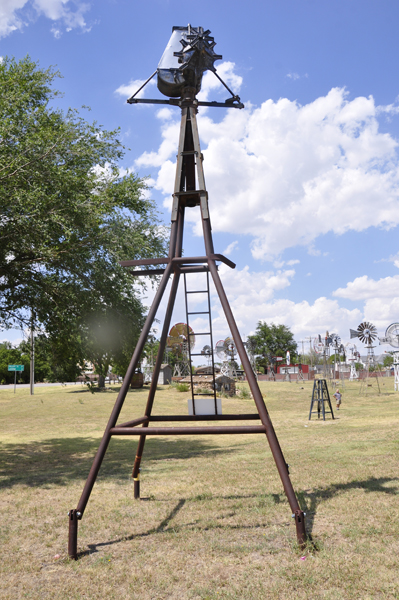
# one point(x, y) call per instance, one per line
point(101, 381)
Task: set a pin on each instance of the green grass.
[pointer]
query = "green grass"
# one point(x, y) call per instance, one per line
point(213, 521)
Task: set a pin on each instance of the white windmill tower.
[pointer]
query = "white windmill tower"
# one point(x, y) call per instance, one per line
point(336, 346)
point(352, 356)
point(392, 338)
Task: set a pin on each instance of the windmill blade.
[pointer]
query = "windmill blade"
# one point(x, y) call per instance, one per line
point(367, 332)
point(207, 350)
point(336, 341)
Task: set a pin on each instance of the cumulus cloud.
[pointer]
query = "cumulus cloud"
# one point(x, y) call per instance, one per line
point(211, 84)
point(252, 297)
point(381, 298)
point(285, 173)
point(230, 248)
point(128, 89)
point(68, 14)
point(364, 288)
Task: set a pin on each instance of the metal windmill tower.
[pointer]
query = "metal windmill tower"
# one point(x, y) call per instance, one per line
point(352, 356)
point(392, 338)
point(189, 54)
point(367, 333)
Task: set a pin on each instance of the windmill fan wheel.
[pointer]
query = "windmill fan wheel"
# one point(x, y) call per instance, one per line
point(367, 332)
point(180, 334)
point(392, 333)
point(230, 347)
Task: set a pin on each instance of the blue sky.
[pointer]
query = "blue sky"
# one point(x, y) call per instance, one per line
point(303, 184)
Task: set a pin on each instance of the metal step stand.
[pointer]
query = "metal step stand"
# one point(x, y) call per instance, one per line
point(189, 313)
point(320, 395)
point(189, 191)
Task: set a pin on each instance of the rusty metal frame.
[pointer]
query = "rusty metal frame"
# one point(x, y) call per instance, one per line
point(189, 190)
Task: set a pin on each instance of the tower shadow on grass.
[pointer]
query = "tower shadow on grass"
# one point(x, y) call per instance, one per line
point(62, 461)
point(310, 501)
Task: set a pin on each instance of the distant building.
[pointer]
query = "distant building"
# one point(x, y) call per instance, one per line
point(223, 383)
point(207, 370)
point(165, 375)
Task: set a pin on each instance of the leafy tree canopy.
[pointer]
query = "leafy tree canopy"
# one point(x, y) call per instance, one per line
point(67, 216)
point(272, 340)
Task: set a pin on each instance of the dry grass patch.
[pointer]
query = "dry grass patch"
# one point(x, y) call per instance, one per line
point(213, 521)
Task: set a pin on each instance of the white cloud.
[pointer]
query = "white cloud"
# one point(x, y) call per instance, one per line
point(381, 297)
point(69, 14)
point(128, 89)
point(285, 173)
point(252, 298)
point(168, 148)
point(210, 83)
point(10, 19)
point(364, 288)
point(230, 248)
point(293, 76)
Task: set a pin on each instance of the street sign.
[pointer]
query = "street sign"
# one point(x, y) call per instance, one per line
point(15, 367)
point(279, 358)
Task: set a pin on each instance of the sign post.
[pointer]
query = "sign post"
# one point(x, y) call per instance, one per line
point(15, 368)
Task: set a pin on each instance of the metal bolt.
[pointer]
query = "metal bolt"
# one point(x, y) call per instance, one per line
point(78, 514)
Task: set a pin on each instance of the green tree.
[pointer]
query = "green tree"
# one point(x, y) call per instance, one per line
point(13, 356)
point(68, 217)
point(272, 340)
point(388, 360)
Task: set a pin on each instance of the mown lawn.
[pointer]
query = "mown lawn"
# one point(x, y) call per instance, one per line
point(213, 521)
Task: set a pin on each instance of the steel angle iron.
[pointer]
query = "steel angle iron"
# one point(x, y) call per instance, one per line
point(189, 54)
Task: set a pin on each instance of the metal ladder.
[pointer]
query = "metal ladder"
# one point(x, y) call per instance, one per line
point(190, 313)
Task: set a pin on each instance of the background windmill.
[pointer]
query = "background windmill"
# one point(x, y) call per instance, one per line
point(181, 338)
point(392, 338)
point(367, 333)
point(322, 347)
point(352, 356)
point(207, 351)
point(250, 348)
point(226, 351)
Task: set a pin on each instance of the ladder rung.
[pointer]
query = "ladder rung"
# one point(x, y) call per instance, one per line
point(198, 292)
point(210, 394)
point(203, 312)
point(199, 354)
point(199, 334)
